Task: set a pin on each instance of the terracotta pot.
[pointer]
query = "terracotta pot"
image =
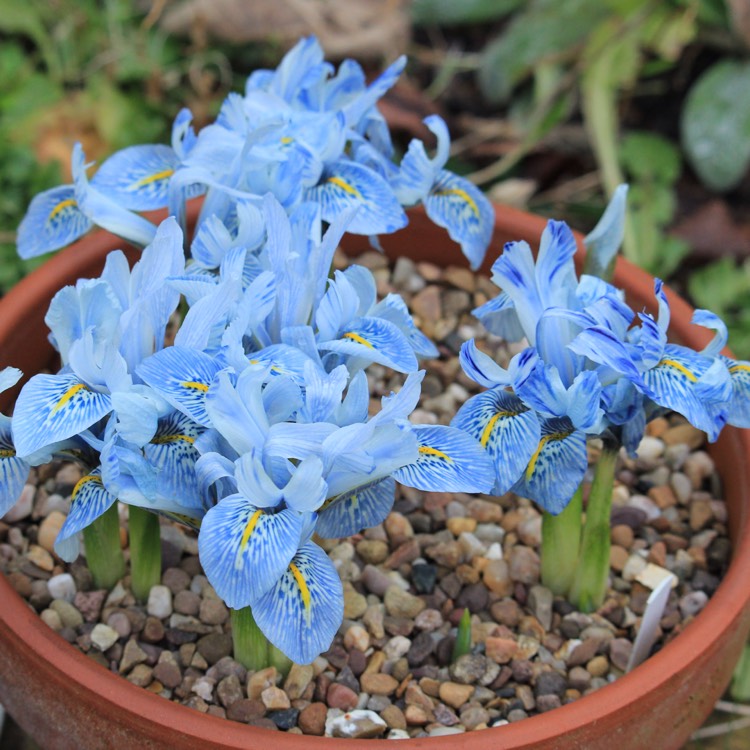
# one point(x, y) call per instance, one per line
point(65, 700)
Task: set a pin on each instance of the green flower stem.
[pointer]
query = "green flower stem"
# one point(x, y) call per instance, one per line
point(279, 659)
point(145, 551)
point(561, 543)
point(103, 551)
point(251, 647)
point(590, 582)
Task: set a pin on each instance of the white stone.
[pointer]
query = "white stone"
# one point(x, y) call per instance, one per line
point(650, 448)
point(350, 723)
point(62, 586)
point(652, 575)
point(159, 602)
point(634, 565)
point(397, 647)
point(103, 637)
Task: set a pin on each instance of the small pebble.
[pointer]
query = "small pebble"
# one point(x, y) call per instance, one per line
point(159, 602)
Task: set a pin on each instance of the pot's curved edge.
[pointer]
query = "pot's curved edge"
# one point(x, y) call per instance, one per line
point(726, 606)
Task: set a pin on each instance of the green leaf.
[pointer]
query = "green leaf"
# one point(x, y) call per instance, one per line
point(462, 645)
point(544, 31)
point(715, 125)
point(647, 156)
point(450, 12)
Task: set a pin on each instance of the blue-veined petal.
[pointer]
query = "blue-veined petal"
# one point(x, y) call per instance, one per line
point(499, 316)
point(137, 177)
point(254, 483)
point(739, 407)
point(356, 109)
point(353, 409)
point(182, 377)
point(244, 550)
point(346, 185)
point(212, 468)
point(323, 392)
point(480, 367)
point(584, 399)
point(603, 241)
point(306, 490)
point(449, 460)
point(687, 383)
point(506, 428)
point(339, 305)
point(401, 404)
point(172, 451)
point(9, 376)
point(237, 410)
point(557, 466)
point(52, 221)
point(282, 360)
point(51, 408)
point(374, 340)
point(89, 500)
point(282, 397)
point(710, 320)
point(555, 270)
point(138, 410)
point(357, 509)
point(14, 471)
point(309, 600)
point(602, 346)
point(104, 211)
point(462, 208)
point(417, 172)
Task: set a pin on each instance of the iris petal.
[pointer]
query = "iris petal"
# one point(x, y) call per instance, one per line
point(556, 467)
point(13, 470)
point(52, 221)
point(309, 600)
point(182, 376)
point(358, 509)
point(51, 408)
point(346, 185)
point(449, 461)
point(461, 208)
point(89, 500)
point(244, 549)
point(506, 428)
point(375, 340)
point(137, 177)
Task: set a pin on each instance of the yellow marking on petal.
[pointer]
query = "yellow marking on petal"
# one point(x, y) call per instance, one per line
point(425, 450)
point(61, 206)
point(287, 139)
point(195, 385)
point(461, 194)
point(85, 480)
point(154, 178)
point(274, 368)
point(680, 368)
point(302, 583)
point(345, 186)
point(356, 337)
point(491, 426)
point(546, 439)
point(739, 368)
point(162, 439)
point(69, 394)
point(7, 453)
point(249, 529)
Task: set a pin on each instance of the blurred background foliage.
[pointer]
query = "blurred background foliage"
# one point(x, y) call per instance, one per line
point(551, 104)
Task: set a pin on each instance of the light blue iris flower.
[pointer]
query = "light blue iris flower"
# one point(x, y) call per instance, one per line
point(13, 469)
point(586, 371)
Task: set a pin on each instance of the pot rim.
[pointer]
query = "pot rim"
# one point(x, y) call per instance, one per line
point(721, 615)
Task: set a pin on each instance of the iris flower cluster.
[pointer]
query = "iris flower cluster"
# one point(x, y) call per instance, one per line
point(592, 367)
point(253, 426)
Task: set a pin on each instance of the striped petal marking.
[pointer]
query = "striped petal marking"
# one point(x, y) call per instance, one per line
point(13, 470)
point(51, 408)
point(172, 451)
point(53, 220)
point(358, 509)
point(506, 428)
point(89, 500)
point(138, 176)
point(739, 409)
point(460, 207)
point(375, 340)
point(449, 461)
point(557, 466)
point(245, 549)
point(182, 376)
point(309, 600)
